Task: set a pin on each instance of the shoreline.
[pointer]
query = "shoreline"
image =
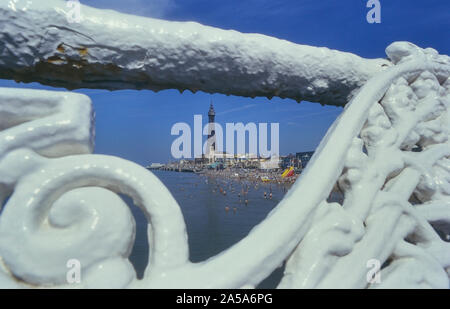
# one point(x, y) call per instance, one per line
point(240, 174)
point(253, 178)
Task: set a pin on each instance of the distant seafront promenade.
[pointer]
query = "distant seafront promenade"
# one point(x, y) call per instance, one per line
point(244, 173)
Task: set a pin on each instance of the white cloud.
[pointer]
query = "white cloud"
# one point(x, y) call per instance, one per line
point(237, 109)
point(148, 8)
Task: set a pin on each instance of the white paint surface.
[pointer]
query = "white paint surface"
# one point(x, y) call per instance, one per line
point(110, 50)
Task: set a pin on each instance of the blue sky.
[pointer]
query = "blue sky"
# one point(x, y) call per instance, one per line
point(136, 124)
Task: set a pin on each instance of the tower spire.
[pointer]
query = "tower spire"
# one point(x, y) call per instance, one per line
point(211, 111)
point(212, 134)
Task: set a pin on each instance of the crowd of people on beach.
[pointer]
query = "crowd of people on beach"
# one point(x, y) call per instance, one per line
point(235, 185)
point(239, 182)
point(253, 175)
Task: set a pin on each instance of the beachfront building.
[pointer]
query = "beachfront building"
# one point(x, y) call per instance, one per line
point(246, 160)
point(272, 163)
point(224, 158)
point(304, 157)
point(290, 160)
point(155, 165)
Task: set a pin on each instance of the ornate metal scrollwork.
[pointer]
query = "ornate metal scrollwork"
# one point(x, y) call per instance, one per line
point(388, 152)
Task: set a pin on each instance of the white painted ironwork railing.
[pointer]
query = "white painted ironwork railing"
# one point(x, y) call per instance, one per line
point(388, 152)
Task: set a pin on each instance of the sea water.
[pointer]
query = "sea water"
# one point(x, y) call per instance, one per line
point(210, 227)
